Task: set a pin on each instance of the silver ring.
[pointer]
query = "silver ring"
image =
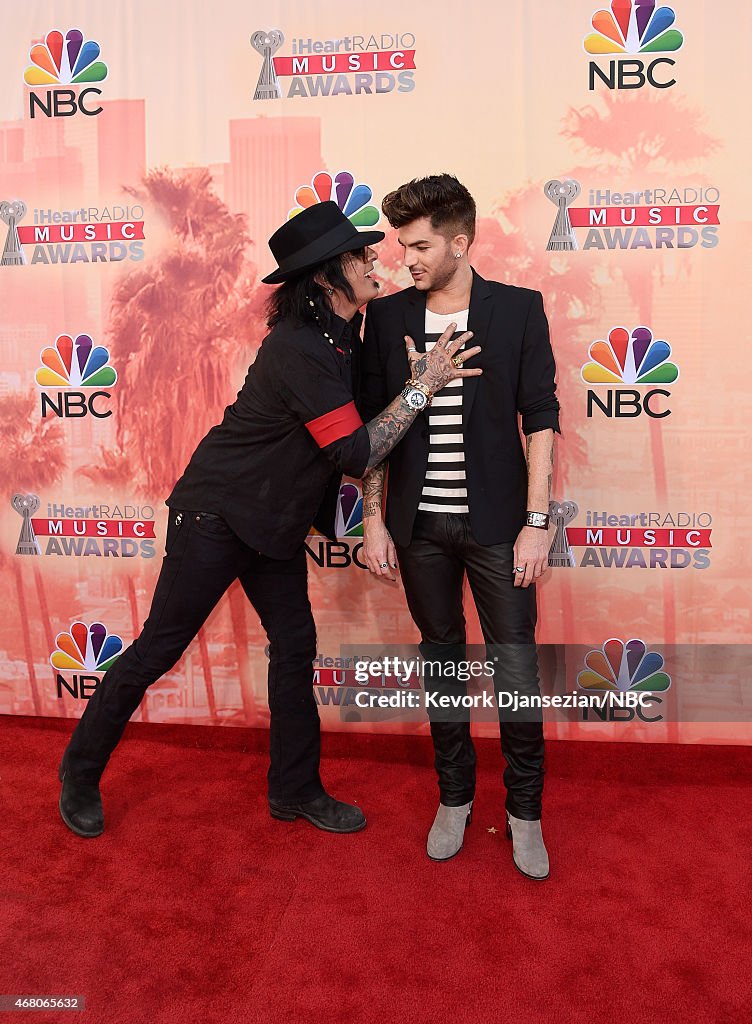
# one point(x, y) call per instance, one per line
point(412, 350)
point(384, 565)
point(519, 568)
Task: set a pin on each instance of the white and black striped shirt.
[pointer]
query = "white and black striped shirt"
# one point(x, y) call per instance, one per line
point(445, 487)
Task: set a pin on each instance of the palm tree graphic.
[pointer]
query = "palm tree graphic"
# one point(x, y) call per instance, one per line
point(32, 457)
point(182, 329)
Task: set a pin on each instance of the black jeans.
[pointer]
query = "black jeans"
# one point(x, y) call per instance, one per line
point(203, 557)
point(433, 568)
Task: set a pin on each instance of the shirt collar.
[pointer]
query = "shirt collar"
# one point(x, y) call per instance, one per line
point(346, 329)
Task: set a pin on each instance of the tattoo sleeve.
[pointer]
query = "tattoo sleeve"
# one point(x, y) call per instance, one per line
point(385, 430)
point(373, 491)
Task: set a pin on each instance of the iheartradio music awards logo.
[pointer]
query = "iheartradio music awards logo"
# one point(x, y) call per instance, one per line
point(83, 531)
point(635, 540)
point(638, 29)
point(84, 653)
point(350, 66)
point(621, 364)
point(86, 235)
point(624, 667)
point(352, 199)
point(72, 364)
point(646, 218)
point(347, 550)
point(64, 60)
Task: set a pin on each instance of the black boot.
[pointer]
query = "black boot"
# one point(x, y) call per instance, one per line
point(80, 805)
point(324, 812)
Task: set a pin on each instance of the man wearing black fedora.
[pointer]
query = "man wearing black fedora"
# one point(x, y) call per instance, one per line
point(244, 505)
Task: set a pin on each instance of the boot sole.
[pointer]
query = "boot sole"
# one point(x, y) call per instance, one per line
point(443, 860)
point(292, 815)
point(533, 878)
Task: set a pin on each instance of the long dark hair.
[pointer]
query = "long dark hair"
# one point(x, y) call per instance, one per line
point(290, 301)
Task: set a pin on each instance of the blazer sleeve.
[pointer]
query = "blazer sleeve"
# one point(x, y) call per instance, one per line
point(373, 397)
point(536, 387)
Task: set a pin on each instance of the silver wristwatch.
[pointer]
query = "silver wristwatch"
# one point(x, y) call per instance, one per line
point(415, 398)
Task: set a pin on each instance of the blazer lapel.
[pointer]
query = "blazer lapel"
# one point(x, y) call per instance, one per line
point(478, 320)
point(415, 319)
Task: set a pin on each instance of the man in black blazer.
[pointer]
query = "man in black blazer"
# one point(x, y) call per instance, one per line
point(463, 497)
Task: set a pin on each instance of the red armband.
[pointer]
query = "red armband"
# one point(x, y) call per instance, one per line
point(334, 425)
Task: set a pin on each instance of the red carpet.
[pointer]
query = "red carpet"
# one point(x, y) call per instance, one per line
point(196, 907)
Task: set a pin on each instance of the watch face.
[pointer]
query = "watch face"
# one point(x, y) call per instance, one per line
point(416, 399)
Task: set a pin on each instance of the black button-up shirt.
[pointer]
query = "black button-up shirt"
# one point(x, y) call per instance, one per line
point(272, 467)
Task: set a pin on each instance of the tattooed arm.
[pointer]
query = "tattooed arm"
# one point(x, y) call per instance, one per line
point(434, 369)
point(385, 430)
point(378, 548)
point(373, 491)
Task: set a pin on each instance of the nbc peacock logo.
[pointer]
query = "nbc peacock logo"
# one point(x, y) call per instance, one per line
point(630, 359)
point(624, 666)
point(65, 60)
point(86, 647)
point(347, 550)
point(634, 26)
point(626, 361)
point(353, 199)
point(68, 367)
point(631, 28)
point(75, 363)
point(59, 62)
point(84, 653)
point(349, 521)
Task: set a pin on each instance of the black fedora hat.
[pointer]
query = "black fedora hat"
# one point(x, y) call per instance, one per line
point(313, 236)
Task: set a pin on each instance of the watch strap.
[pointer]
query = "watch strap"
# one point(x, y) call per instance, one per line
point(538, 520)
point(420, 386)
point(405, 396)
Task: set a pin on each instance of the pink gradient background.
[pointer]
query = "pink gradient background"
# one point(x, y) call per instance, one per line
point(501, 99)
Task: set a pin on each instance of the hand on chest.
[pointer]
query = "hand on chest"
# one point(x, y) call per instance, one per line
point(499, 356)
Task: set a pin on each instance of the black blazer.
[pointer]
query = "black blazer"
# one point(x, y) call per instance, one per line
point(518, 378)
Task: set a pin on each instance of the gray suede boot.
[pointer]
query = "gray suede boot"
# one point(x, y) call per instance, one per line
point(448, 831)
point(528, 850)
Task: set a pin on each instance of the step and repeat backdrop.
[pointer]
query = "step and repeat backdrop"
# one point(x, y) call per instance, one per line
point(147, 152)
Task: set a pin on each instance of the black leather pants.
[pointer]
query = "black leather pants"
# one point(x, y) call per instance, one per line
point(433, 568)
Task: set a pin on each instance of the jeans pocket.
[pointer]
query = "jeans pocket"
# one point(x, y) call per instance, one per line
point(210, 523)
